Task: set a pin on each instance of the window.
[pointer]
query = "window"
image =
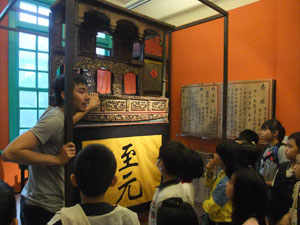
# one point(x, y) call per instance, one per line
point(104, 78)
point(42, 14)
point(130, 84)
point(28, 65)
point(103, 44)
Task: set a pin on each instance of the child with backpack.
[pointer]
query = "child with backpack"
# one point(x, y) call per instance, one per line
point(293, 216)
point(94, 172)
point(173, 211)
point(177, 164)
point(217, 207)
point(273, 133)
point(281, 193)
point(247, 191)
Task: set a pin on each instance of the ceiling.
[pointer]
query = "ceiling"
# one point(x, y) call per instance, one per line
point(178, 12)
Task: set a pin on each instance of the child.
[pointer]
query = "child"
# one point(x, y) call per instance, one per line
point(273, 133)
point(281, 193)
point(247, 190)
point(229, 156)
point(174, 211)
point(252, 154)
point(94, 172)
point(7, 205)
point(292, 216)
point(247, 136)
point(174, 162)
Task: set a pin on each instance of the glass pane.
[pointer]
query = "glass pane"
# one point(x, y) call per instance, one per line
point(28, 99)
point(43, 61)
point(27, 60)
point(100, 35)
point(28, 6)
point(100, 51)
point(27, 117)
point(27, 79)
point(43, 44)
point(27, 18)
point(43, 80)
point(43, 99)
point(43, 21)
point(63, 32)
point(27, 41)
point(44, 11)
point(41, 111)
point(22, 131)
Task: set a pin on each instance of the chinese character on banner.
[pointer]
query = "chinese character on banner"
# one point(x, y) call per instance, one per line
point(136, 172)
point(127, 178)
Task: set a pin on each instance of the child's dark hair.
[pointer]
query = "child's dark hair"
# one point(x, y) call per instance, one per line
point(273, 125)
point(232, 156)
point(59, 86)
point(8, 204)
point(249, 197)
point(174, 211)
point(180, 161)
point(296, 137)
point(252, 153)
point(94, 168)
point(194, 167)
point(248, 136)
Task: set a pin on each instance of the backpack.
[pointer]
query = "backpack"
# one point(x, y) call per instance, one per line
point(274, 153)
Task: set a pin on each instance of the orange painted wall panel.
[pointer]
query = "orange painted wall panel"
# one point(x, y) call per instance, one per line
point(4, 137)
point(9, 172)
point(261, 46)
point(288, 64)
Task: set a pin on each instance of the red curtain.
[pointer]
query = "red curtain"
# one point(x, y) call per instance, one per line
point(130, 83)
point(103, 81)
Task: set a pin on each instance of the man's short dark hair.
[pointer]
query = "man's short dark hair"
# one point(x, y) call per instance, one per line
point(59, 86)
point(8, 204)
point(95, 167)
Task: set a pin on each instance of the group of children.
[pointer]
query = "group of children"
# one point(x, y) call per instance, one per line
point(249, 188)
point(253, 188)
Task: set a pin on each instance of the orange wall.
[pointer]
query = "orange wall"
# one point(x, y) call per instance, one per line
point(8, 171)
point(261, 46)
point(288, 64)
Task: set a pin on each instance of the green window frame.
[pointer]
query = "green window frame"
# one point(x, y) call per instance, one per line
point(104, 44)
point(28, 66)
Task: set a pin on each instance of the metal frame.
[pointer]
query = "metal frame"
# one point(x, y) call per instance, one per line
point(68, 105)
point(222, 13)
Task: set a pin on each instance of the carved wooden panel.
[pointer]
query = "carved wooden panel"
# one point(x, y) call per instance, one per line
point(130, 109)
point(111, 105)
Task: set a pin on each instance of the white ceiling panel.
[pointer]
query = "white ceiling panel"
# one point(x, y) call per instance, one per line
point(179, 12)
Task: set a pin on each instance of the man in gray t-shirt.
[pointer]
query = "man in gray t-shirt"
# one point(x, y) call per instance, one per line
point(42, 148)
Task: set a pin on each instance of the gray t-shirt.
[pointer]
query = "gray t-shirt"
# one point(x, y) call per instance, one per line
point(45, 186)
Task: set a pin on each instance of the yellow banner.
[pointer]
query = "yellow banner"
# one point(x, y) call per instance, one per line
point(137, 173)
